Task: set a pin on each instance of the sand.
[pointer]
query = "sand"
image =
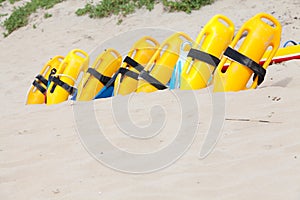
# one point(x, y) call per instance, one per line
point(41, 152)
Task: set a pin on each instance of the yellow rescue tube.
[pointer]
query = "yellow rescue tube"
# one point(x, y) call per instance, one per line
point(62, 82)
point(206, 53)
point(105, 65)
point(158, 71)
point(141, 52)
point(37, 92)
point(244, 62)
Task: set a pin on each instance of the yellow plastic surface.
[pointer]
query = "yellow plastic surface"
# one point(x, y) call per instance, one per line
point(162, 63)
point(260, 36)
point(213, 39)
point(107, 63)
point(284, 53)
point(141, 52)
point(75, 62)
point(34, 96)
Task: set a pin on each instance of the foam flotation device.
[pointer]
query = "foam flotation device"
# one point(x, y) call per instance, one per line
point(258, 34)
point(158, 72)
point(206, 52)
point(61, 81)
point(37, 92)
point(98, 75)
point(141, 52)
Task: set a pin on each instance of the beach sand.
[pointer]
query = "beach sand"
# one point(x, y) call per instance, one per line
point(41, 153)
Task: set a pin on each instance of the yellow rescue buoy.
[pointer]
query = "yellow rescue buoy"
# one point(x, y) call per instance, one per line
point(141, 52)
point(37, 92)
point(62, 82)
point(262, 31)
point(105, 65)
point(206, 52)
point(157, 73)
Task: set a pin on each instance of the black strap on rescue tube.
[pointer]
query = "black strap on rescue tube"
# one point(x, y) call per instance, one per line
point(100, 77)
point(204, 57)
point(244, 60)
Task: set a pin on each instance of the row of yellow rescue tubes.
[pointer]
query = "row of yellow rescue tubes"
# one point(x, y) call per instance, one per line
point(216, 57)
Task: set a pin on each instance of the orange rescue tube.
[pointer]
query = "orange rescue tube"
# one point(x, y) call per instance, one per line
point(105, 65)
point(262, 31)
point(62, 82)
point(206, 53)
point(37, 92)
point(158, 72)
